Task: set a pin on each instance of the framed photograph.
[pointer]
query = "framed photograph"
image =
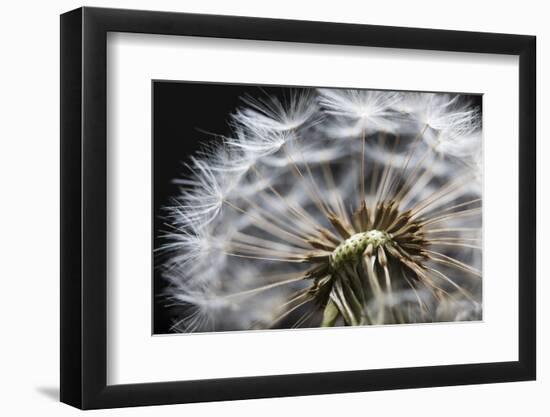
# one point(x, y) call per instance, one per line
point(259, 208)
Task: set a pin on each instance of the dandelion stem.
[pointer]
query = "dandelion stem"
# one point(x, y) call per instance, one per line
point(362, 178)
point(315, 198)
point(453, 215)
point(447, 189)
point(274, 230)
point(265, 287)
point(442, 258)
point(404, 167)
point(289, 311)
point(462, 245)
point(297, 211)
point(454, 284)
point(335, 194)
point(330, 314)
point(297, 260)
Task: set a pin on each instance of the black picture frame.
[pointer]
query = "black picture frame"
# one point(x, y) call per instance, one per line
point(84, 194)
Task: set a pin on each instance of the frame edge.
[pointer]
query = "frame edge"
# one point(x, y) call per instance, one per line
point(70, 220)
point(528, 207)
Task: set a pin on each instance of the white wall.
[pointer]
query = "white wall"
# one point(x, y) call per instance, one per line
point(29, 177)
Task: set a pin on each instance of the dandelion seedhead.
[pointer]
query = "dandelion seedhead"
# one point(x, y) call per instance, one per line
point(285, 224)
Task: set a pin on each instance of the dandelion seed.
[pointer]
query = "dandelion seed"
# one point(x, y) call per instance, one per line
point(453, 125)
point(202, 197)
point(257, 144)
point(270, 114)
point(370, 110)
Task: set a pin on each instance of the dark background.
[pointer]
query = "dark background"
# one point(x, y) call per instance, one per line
point(186, 114)
point(182, 114)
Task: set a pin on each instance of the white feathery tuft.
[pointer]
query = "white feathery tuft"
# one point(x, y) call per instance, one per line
point(451, 126)
point(256, 144)
point(203, 193)
point(369, 109)
point(271, 114)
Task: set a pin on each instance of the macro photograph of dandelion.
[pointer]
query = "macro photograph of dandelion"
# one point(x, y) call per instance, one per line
point(293, 207)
